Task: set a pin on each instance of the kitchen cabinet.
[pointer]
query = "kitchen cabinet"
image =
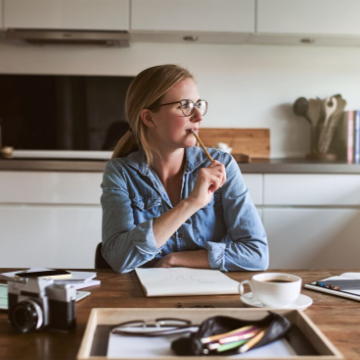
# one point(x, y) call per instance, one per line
point(313, 238)
point(32, 187)
point(67, 14)
point(312, 189)
point(49, 219)
point(323, 17)
point(312, 220)
point(48, 235)
point(254, 182)
point(209, 20)
point(322, 22)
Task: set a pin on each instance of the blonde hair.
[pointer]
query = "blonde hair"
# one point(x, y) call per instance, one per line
point(146, 91)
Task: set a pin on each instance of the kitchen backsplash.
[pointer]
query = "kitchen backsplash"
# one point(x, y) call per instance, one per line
point(247, 86)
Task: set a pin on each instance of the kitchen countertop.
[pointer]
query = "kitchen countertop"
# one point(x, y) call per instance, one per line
point(260, 166)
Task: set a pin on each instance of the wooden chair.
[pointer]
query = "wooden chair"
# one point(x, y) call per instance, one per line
point(100, 262)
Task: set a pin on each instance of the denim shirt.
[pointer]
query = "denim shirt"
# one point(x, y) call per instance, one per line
point(228, 227)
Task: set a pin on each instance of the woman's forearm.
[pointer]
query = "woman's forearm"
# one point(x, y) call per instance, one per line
point(190, 259)
point(165, 225)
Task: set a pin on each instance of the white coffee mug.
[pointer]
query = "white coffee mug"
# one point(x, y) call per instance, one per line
point(276, 290)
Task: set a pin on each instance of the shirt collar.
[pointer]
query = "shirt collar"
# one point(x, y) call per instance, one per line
point(195, 156)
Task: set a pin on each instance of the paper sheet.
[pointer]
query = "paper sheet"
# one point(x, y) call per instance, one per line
point(130, 347)
point(3, 297)
point(185, 281)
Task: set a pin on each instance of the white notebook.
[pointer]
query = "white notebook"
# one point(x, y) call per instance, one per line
point(185, 281)
point(353, 294)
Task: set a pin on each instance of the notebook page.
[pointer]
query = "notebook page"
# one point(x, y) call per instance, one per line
point(185, 281)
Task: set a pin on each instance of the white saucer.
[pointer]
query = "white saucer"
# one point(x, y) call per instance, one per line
point(302, 302)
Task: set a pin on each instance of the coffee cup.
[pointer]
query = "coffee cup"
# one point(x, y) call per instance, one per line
point(277, 290)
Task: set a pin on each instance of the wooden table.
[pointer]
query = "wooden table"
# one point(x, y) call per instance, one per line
point(337, 318)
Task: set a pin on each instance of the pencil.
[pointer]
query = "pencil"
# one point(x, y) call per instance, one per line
point(244, 329)
point(202, 145)
point(252, 342)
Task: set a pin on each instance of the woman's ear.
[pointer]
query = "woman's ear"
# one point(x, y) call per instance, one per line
point(147, 119)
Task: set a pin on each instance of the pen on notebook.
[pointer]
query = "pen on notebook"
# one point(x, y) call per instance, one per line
point(345, 284)
point(202, 145)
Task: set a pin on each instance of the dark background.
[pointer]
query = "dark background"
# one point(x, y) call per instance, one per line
point(51, 112)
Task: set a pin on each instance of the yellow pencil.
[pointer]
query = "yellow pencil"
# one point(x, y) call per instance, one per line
point(202, 145)
point(252, 342)
point(224, 335)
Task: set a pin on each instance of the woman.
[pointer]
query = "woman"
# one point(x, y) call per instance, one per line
point(164, 203)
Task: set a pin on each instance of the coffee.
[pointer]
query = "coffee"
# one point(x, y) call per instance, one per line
point(276, 281)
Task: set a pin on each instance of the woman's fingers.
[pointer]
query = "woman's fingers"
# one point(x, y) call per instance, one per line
point(219, 170)
point(215, 182)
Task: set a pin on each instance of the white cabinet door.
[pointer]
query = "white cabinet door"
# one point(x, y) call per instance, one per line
point(323, 17)
point(36, 187)
point(67, 14)
point(193, 15)
point(254, 182)
point(312, 189)
point(313, 238)
point(49, 236)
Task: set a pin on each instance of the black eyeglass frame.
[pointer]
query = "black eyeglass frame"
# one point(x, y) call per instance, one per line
point(180, 102)
point(158, 324)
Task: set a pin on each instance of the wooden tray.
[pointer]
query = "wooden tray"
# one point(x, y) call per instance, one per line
point(94, 342)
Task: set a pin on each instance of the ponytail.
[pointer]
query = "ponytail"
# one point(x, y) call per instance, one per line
point(125, 146)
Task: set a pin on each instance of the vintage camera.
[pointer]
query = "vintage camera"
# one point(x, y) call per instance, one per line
point(36, 303)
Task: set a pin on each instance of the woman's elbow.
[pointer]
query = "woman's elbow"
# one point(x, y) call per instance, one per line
point(118, 264)
point(263, 260)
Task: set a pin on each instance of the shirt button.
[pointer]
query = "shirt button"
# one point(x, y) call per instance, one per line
point(180, 236)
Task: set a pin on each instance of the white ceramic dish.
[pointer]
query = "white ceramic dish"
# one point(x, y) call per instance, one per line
point(302, 302)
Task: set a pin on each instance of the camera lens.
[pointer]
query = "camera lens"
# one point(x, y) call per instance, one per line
point(26, 316)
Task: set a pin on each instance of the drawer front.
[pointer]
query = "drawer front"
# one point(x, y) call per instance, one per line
point(317, 190)
point(49, 236)
point(254, 182)
point(50, 187)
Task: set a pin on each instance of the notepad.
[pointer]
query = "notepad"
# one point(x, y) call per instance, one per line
point(185, 281)
point(326, 287)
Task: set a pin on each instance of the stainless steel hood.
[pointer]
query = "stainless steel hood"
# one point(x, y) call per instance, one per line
point(76, 37)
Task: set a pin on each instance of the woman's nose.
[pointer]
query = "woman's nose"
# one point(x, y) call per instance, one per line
point(196, 116)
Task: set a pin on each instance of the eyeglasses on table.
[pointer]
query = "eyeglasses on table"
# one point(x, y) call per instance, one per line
point(152, 328)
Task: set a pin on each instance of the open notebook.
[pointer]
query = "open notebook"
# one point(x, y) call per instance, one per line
point(350, 292)
point(185, 281)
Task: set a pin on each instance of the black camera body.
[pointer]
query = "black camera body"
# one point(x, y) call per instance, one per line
point(37, 303)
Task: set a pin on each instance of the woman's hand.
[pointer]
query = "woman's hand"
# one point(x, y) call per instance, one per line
point(209, 180)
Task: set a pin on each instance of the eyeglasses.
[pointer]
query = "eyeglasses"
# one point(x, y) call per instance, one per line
point(188, 106)
point(157, 327)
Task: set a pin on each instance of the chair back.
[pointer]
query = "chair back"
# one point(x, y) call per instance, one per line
point(100, 262)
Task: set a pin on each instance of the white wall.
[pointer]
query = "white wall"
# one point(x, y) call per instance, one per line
point(246, 85)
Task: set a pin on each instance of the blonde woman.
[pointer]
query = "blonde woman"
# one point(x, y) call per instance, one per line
point(164, 203)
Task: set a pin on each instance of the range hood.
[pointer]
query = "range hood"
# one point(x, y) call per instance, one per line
point(76, 37)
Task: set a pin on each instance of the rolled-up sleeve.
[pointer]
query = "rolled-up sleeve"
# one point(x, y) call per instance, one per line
point(125, 246)
point(245, 245)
